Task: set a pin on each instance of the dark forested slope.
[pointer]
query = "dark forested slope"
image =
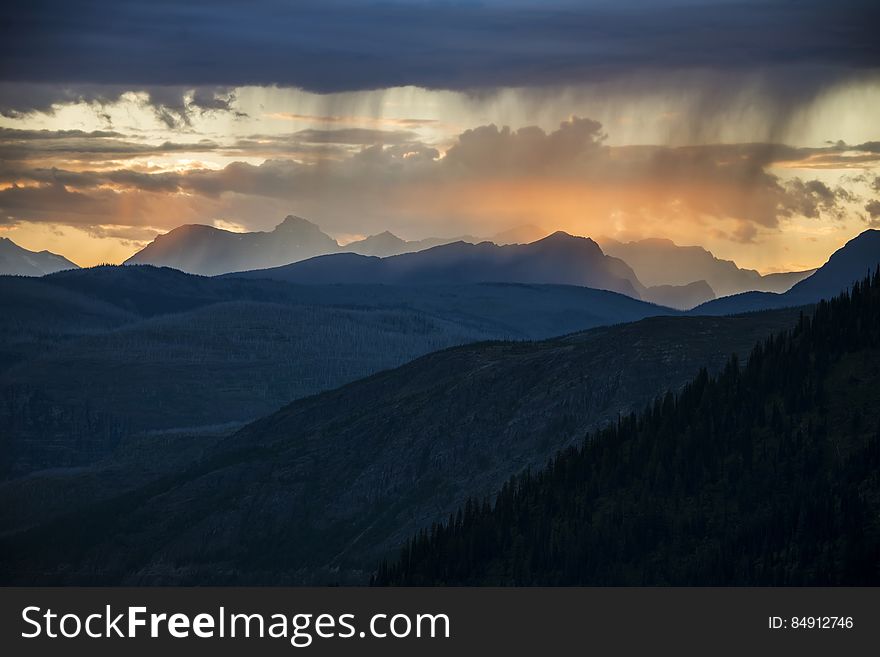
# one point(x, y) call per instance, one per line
point(89, 355)
point(767, 474)
point(321, 489)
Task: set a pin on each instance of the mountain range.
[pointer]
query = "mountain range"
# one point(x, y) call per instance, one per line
point(751, 477)
point(662, 273)
point(662, 262)
point(200, 249)
point(100, 398)
point(89, 355)
point(557, 259)
point(320, 490)
point(18, 261)
point(560, 259)
point(852, 262)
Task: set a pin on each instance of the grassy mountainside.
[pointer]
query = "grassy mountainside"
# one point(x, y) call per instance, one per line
point(320, 490)
point(762, 475)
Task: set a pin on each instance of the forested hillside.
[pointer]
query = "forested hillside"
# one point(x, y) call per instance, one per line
point(767, 474)
point(320, 490)
point(89, 356)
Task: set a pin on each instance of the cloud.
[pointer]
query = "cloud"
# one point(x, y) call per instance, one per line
point(813, 198)
point(13, 134)
point(173, 105)
point(352, 120)
point(80, 145)
point(53, 147)
point(355, 136)
point(120, 178)
point(89, 209)
point(873, 210)
point(135, 236)
point(528, 149)
point(564, 177)
point(459, 45)
point(19, 98)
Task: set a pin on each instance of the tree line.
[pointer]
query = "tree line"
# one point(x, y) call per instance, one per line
point(766, 474)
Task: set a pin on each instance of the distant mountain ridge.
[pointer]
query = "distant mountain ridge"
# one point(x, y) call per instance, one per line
point(653, 270)
point(662, 262)
point(66, 337)
point(850, 263)
point(660, 271)
point(680, 297)
point(209, 251)
point(18, 261)
point(560, 259)
point(198, 249)
point(386, 244)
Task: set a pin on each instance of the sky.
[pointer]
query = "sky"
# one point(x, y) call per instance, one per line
point(750, 128)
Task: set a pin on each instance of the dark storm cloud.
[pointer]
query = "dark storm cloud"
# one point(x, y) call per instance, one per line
point(100, 145)
point(80, 145)
point(19, 98)
point(174, 105)
point(339, 45)
point(148, 182)
point(14, 134)
point(528, 149)
point(357, 136)
point(812, 198)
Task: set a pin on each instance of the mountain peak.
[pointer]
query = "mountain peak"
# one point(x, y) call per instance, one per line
point(385, 236)
point(869, 234)
point(859, 256)
point(187, 230)
point(17, 260)
point(560, 238)
point(658, 241)
point(525, 234)
point(292, 222)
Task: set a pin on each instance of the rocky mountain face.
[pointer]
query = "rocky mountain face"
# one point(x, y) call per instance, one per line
point(18, 261)
point(850, 263)
point(661, 262)
point(558, 259)
point(206, 250)
point(657, 270)
point(200, 249)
